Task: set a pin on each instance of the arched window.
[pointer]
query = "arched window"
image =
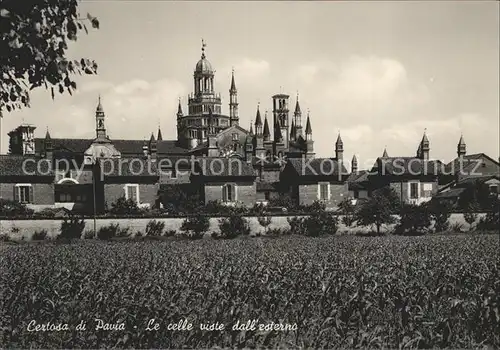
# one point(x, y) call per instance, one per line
point(268, 156)
point(229, 193)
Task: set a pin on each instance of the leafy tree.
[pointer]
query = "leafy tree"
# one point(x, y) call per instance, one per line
point(476, 194)
point(265, 221)
point(378, 209)
point(233, 226)
point(440, 212)
point(347, 210)
point(34, 39)
point(194, 227)
point(124, 206)
point(180, 198)
point(415, 219)
point(470, 214)
point(321, 223)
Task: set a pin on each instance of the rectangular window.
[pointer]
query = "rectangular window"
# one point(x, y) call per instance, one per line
point(494, 189)
point(414, 190)
point(229, 193)
point(324, 191)
point(267, 195)
point(23, 193)
point(235, 136)
point(356, 194)
point(132, 192)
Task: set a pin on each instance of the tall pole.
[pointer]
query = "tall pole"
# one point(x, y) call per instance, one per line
point(93, 196)
point(1, 132)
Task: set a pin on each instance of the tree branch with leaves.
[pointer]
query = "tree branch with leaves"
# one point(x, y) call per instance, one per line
point(34, 37)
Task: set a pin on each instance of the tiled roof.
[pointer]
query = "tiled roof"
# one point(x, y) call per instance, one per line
point(224, 167)
point(123, 146)
point(267, 186)
point(408, 166)
point(470, 162)
point(128, 167)
point(454, 192)
point(358, 180)
point(317, 167)
point(359, 176)
point(14, 165)
point(476, 179)
point(74, 145)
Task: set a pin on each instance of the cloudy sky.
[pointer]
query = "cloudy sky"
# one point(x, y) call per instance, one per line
point(380, 72)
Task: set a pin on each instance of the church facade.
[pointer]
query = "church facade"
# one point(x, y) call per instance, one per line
point(242, 167)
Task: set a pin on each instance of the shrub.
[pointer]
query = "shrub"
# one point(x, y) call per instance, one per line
point(108, 232)
point(233, 226)
point(415, 220)
point(321, 223)
point(378, 209)
point(39, 235)
point(491, 222)
point(194, 227)
point(155, 228)
point(71, 228)
point(12, 208)
point(297, 225)
point(258, 209)
point(347, 210)
point(89, 234)
point(440, 212)
point(276, 232)
point(470, 215)
point(317, 206)
point(265, 221)
point(170, 233)
point(124, 206)
point(457, 227)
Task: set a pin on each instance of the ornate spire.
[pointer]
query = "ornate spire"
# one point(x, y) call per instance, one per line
point(385, 155)
point(461, 147)
point(99, 105)
point(339, 141)
point(354, 159)
point(297, 105)
point(203, 45)
point(461, 142)
point(152, 138)
point(267, 133)
point(258, 119)
point(47, 134)
point(159, 137)
point(179, 108)
point(424, 138)
point(292, 131)
point(233, 84)
point(308, 125)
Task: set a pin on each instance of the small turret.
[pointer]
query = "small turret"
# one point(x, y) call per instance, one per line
point(385, 154)
point(354, 164)
point(297, 118)
point(309, 140)
point(48, 145)
point(425, 146)
point(461, 147)
point(153, 147)
point(339, 149)
point(266, 132)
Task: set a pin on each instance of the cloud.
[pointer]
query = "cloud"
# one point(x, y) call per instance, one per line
point(254, 70)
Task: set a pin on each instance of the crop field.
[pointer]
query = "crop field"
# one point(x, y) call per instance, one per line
point(431, 291)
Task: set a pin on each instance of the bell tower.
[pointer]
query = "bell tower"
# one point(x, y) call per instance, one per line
point(280, 114)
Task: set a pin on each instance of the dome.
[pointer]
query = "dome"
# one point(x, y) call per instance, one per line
point(203, 66)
